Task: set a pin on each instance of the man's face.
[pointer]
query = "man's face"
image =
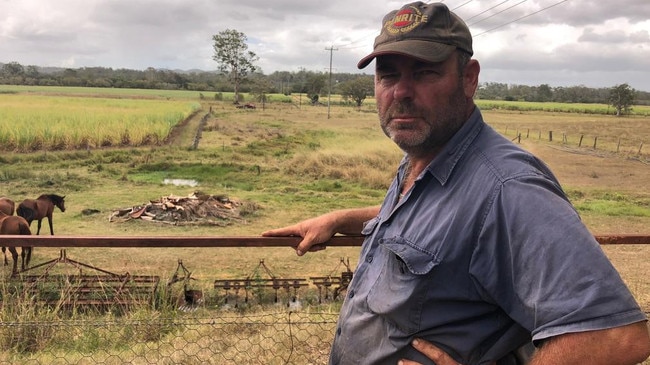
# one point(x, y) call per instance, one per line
point(420, 105)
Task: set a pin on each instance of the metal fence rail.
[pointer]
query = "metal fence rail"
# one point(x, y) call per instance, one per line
point(224, 241)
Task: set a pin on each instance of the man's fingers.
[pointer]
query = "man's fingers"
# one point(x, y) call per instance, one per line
point(432, 352)
point(306, 246)
point(310, 242)
point(279, 232)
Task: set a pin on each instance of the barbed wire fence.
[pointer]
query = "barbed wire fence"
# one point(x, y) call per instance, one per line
point(631, 148)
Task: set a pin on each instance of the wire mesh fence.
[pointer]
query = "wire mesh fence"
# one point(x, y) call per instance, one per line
point(282, 337)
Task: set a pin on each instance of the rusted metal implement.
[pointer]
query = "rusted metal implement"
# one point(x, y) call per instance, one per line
point(191, 298)
point(337, 283)
point(99, 288)
point(255, 281)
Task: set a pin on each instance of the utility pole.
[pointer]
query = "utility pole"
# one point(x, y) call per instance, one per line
point(329, 91)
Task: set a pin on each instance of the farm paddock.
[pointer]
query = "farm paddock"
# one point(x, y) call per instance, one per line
point(278, 321)
point(295, 165)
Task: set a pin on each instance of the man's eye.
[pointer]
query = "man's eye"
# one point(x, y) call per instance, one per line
point(425, 73)
point(388, 76)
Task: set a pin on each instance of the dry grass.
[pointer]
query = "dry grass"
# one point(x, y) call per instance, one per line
point(348, 148)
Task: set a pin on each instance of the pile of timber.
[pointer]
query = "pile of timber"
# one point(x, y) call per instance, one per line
point(195, 209)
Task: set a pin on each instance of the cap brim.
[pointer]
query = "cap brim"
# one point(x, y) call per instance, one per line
point(422, 50)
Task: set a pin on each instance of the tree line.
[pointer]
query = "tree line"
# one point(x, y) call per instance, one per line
point(303, 81)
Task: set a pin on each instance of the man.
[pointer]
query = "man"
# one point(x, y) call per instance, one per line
point(476, 253)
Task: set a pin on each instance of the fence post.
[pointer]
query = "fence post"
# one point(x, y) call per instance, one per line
point(550, 136)
point(527, 133)
point(640, 146)
point(581, 137)
point(618, 146)
point(595, 141)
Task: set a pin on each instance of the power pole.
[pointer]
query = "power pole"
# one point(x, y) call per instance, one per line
point(329, 91)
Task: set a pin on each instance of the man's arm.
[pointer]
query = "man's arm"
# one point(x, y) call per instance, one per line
point(620, 345)
point(625, 345)
point(322, 228)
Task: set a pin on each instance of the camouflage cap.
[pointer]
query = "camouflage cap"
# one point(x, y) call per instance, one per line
point(429, 32)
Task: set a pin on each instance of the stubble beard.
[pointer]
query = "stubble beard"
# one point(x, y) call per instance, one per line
point(439, 124)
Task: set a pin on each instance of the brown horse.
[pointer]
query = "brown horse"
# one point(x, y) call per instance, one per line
point(39, 208)
point(12, 224)
point(7, 207)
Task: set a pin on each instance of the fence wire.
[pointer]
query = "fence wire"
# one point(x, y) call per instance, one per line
point(276, 338)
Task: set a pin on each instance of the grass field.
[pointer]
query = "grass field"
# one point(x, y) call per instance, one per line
point(295, 162)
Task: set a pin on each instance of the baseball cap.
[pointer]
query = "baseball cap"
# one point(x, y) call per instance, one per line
point(429, 32)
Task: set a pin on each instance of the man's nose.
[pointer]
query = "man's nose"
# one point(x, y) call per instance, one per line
point(403, 89)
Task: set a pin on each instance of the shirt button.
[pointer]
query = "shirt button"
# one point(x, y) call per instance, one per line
point(369, 259)
point(351, 295)
point(338, 331)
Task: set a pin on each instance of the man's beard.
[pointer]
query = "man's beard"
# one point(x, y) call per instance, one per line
point(439, 126)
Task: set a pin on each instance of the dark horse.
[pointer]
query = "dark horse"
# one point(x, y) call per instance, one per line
point(12, 224)
point(39, 208)
point(7, 207)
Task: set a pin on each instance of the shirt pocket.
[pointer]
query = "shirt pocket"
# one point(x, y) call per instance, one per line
point(400, 290)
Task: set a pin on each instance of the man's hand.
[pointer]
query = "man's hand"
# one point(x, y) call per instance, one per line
point(320, 229)
point(432, 352)
point(313, 231)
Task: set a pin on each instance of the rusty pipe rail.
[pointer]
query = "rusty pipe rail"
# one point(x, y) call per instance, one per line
point(224, 241)
point(166, 241)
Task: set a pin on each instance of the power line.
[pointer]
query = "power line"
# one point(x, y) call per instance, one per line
point(523, 17)
point(461, 5)
point(497, 13)
point(486, 10)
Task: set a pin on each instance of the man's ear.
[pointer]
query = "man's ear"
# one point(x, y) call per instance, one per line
point(470, 78)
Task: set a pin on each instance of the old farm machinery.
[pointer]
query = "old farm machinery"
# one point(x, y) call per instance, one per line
point(329, 287)
point(88, 286)
point(190, 299)
point(254, 284)
point(335, 284)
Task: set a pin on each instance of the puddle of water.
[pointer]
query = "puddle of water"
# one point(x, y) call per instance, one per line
point(181, 182)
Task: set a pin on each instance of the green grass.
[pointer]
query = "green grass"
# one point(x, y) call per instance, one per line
point(612, 204)
point(583, 108)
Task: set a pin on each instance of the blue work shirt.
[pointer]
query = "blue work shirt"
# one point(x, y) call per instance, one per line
point(483, 255)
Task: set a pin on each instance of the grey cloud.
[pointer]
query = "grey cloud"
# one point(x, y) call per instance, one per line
point(293, 34)
point(614, 36)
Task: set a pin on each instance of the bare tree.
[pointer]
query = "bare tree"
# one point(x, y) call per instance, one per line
point(234, 59)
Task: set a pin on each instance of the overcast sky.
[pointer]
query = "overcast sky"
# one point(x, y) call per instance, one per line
point(596, 43)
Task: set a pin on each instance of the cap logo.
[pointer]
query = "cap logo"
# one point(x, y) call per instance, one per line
point(405, 20)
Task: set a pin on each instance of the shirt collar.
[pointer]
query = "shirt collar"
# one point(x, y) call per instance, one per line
point(444, 163)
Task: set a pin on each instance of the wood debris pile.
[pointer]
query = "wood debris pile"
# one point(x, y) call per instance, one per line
point(195, 209)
